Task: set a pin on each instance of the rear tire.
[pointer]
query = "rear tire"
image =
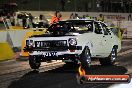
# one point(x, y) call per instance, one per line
point(34, 62)
point(111, 59)
point(85, 58)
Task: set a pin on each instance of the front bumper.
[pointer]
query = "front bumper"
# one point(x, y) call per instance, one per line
point(50, 53)
point(27, 49)
point(72, 57)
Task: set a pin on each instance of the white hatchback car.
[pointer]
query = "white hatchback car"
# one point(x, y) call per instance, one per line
point(74, 41)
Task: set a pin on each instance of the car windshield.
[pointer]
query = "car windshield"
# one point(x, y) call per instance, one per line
point(83, 26)
point(67, 27)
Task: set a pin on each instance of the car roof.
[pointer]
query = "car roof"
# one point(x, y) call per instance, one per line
point(76, 21)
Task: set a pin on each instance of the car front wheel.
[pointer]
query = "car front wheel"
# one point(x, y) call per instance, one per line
point(85, 58)
point(34, 62)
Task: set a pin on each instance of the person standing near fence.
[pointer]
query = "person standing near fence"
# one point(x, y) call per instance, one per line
point(57, 17)
point(129, 17)
point(101, 17)
point(24, 21)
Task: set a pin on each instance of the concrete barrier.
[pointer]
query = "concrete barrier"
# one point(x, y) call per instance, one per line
point(13, 37)
point(6, 51)
point(10, 39)
point(3, 36)
point(17, 36)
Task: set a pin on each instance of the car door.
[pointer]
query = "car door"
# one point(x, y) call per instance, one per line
point(108, 39)
point(98, 40)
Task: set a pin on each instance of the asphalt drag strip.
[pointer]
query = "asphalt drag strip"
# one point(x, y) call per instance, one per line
point(17, 74)
point(65, 76)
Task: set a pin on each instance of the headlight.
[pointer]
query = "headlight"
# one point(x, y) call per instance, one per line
point(29, 43)
point(72, 41)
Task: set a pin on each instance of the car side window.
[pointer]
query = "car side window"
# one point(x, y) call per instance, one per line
point(105, 29)
point(98, 29)
point(89, 27)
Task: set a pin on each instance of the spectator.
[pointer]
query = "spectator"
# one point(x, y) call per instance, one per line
point(29, 20)
point(43, 21)
point(101, 17)
point(84, 17)
point(24, 21)
point(57, 17)
point(76, 16)
point(94, 18)
point(12, 19)
point(129, 17)
point(8, 15)
point(88, 17)
point(19, 19)
point(31, 17)
point(72, 16)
